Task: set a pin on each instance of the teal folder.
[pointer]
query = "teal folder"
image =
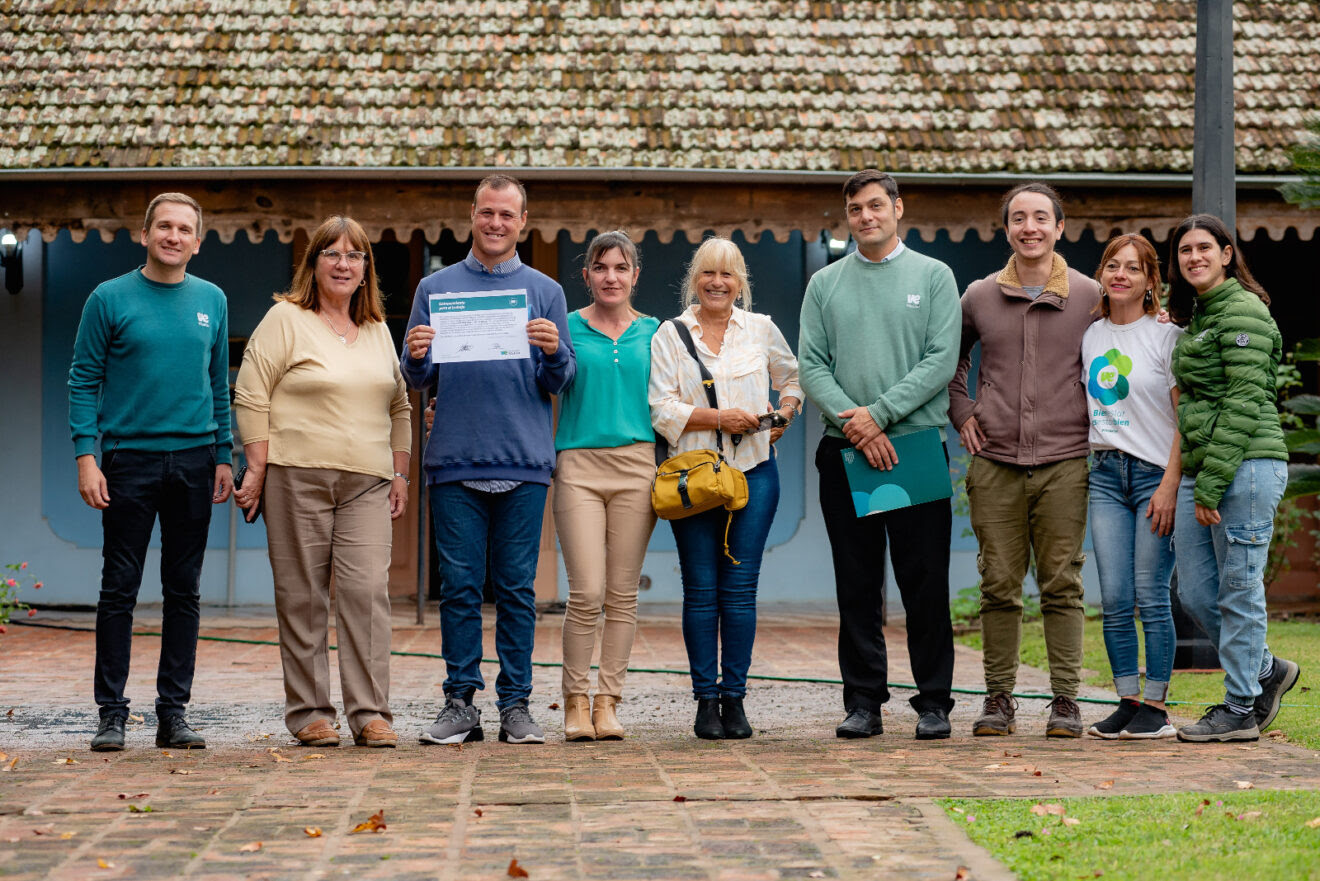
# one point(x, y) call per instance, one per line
point(921, 475)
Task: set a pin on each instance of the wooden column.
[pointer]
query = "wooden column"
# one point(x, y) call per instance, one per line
point(1214, 170)
point(545, 257)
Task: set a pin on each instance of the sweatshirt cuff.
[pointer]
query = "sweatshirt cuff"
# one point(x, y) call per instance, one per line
point(84, 446)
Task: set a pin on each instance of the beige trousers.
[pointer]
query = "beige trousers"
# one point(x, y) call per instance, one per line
point(321, 521)
point(603, 512)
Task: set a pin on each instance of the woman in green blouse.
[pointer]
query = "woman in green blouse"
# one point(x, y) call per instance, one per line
point(602, 485)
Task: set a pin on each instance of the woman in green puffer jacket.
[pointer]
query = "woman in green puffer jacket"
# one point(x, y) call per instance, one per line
point(1234, 470)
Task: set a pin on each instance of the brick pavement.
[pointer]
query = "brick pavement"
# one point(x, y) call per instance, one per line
point(793, 802)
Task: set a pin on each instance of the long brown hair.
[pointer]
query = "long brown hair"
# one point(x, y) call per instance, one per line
point(1181, 293)
point(367, 304)
point(1150, 265)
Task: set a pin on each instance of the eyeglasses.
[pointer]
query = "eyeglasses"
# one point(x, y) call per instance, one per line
point(353, 257)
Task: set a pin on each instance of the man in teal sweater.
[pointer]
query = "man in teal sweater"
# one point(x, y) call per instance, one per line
point(150, 377)
point(879, 344)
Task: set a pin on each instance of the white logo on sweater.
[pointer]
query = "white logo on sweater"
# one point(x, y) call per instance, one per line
point(914, 301)
point(203, 320)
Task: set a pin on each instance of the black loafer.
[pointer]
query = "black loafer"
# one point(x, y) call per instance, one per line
point(933, 725)
point(860, 723)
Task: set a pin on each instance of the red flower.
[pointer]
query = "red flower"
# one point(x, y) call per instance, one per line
point(22, 565)
point(11, 582)
point(32, 612)
point(37, 585)
point(2, 629)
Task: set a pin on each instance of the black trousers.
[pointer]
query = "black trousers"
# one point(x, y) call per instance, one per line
point(918, 538)
point(177, 486)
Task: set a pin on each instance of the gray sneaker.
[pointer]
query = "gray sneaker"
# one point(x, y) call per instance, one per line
point(516, 725)
point(1272, 689)
point(457, 722)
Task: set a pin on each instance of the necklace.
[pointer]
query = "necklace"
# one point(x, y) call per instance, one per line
point(339, 333)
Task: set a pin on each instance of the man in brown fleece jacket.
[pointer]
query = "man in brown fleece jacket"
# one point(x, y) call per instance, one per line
point(1027, 432)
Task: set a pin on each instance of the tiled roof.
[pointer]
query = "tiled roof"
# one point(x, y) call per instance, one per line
point(907, 85)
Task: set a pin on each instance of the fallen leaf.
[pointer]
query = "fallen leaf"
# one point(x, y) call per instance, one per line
point(201, 828)
point(139, 795)
point(958, 810)
point(11, 712)
point(554, 706)
point(13, 763)
point(1012, 755)
point(260, 735)
point(67, 760)
point(65, 836)
point(1035, 774)
point(133, 718)
point(100, 863)
point(3, 756)
point(516, 871)
point(180, 771)
point(816, 874)
point(374, 823)
point(1313, 824)
point(1205, 802)
point(311, 756)
point(44, 830)
point(1249, 815)
point(279, 758)
point(1248, 748)
point(1071, 821)
point(250, 847)
point(312, 831)
point(166, 754)
point(477, 811)
point(1105, 784)
point(1244, 784)
point(680, 798)
point(1054, 808)
point(963, 874)
point(1276, 734)
point(995, 766)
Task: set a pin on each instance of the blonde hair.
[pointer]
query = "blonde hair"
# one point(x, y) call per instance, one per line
point(719, 254)
point(367, 304)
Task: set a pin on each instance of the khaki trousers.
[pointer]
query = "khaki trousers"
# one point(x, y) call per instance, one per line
point(319, 522)
point(1016, 512)
point(602, 505)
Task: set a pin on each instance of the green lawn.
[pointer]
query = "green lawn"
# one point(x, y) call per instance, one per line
point(1257, 834)
point(1296, 640)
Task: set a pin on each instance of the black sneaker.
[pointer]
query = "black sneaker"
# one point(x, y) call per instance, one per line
point(860, 723)
point(997, 716)
point(1150, 723)
point(1219, 725)
point(174, 732)
point(1112, 725)
point(109, 735)
point(1272, 689)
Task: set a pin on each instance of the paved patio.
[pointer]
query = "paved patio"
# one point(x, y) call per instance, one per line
point(793, 802)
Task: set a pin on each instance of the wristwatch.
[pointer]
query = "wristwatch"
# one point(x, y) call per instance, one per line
point(404, 476)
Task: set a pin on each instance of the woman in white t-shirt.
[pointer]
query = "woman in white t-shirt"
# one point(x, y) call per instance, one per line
point(1131, 399)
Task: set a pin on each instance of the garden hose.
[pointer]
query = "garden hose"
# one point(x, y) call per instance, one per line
point(810, 680)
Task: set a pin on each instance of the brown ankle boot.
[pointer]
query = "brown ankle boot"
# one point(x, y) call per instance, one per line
point(603, 718)
point(577, 718)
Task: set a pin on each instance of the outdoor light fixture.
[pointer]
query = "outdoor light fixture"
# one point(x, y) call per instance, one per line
point(11, 258)
point(835, 248)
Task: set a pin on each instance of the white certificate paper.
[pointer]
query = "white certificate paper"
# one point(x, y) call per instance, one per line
point(479, 326)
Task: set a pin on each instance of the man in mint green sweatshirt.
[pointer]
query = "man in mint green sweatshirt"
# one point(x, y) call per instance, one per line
point(150, 378)
point(879, 344)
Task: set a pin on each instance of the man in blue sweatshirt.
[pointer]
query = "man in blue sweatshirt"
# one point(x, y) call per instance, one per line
point(150, 377)
point(488, 463)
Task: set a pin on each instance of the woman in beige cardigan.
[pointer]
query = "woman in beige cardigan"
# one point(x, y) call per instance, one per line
point(325, 423)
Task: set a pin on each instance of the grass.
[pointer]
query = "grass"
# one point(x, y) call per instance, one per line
point(1152, 836)
point(1296, 640)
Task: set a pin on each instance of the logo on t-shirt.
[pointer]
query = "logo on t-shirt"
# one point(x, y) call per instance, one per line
point(914, 301)
point(1108, 383)
point(203, 320)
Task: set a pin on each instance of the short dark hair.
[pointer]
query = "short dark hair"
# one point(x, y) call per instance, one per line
point(1033, 187)
point(501, 182)
point(864, 178)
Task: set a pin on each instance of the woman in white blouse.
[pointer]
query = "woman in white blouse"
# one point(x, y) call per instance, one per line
point(747, 356)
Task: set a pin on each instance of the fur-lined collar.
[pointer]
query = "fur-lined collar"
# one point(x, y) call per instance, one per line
point(1057, 283)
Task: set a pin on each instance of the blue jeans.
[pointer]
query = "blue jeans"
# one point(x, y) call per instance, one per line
point(719, 598)
point(466, 521)
point(177, 486)
point(1135, 567)
point(1221, 570)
